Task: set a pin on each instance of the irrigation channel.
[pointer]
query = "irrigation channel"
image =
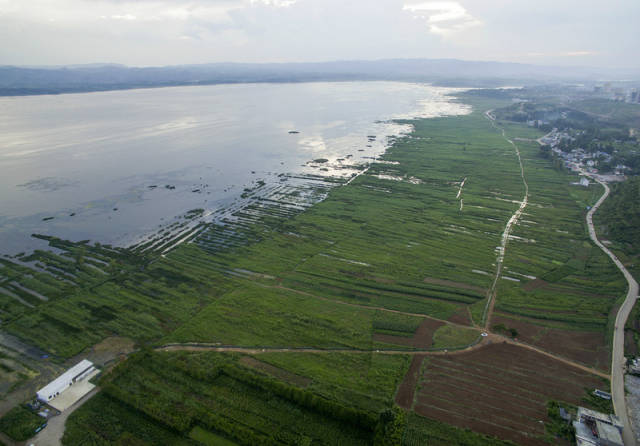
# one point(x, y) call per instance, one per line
point(488, 309)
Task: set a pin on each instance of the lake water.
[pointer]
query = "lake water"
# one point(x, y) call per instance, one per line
point(113, 166)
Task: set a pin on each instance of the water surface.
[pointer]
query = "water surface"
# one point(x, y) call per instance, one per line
point(112, 166)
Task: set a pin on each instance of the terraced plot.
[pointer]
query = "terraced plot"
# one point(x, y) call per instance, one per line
point(500, 390)
point(422, 338)
point(558, 290)
point(586, 347)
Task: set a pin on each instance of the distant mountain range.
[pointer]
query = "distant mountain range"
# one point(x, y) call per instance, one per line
point(450, 72)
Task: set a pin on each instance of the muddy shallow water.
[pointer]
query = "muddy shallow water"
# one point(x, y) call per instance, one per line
point(111, 166)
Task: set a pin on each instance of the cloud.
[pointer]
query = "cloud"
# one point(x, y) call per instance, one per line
point(163, 32)
point(562, 54)
point(275, 3)
point(442, 17)
point(122, 17)
point(578, 53)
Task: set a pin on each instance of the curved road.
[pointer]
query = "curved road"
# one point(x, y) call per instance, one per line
point(617, 357)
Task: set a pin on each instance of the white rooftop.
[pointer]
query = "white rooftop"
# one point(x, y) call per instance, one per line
point(609, 433)
point(609, 419)
point(74, 393)
point(62, 382)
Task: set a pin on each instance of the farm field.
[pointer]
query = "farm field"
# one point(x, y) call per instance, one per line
point(398, 265)
point(421, 431)
point(500, 390)
point(100, 291)
point(558, 289)
point(216, 393)
point(429, 258)
point(368, 381)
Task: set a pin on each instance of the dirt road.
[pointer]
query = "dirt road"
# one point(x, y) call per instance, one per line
point(491, 300)
point(490, 338)
point(617, 357)
point(258, 350)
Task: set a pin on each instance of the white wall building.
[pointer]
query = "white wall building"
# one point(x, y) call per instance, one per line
point(76, 373)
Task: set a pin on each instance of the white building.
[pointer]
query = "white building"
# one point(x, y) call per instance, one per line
point(76, 373)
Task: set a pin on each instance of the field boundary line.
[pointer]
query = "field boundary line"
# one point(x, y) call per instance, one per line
point(366, 307)
point(481, 342)
point(179, 346)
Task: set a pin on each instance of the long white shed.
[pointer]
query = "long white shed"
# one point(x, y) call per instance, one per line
point(67, 379)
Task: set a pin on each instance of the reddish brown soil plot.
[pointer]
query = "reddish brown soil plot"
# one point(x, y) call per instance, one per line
point(586, 347)
point(499, 390)
point(406, 391)
point(630, 346)
point(461, 316)
point(276, 372)
point(422, 338)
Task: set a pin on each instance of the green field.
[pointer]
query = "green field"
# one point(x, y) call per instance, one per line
point(220, 396)
point(422, 431)
point(556, 283)
point(20, 423)
point(375, 243)
point(449, 336)
point(401, 242)
point(255, 316)
point(369, 381)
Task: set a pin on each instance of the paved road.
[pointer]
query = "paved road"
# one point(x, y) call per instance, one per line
point(52, 434)
point(617, 357)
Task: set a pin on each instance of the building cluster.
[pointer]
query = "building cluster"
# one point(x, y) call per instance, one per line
point(597, 429)
point(537, 123)
point(630, 95)
point(578, 160)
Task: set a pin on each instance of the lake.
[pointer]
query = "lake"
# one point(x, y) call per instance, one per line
point(116, 166)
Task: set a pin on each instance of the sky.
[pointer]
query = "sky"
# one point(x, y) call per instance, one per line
point(168, 32)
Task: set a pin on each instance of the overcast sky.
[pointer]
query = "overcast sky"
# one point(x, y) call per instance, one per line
point(166, 32)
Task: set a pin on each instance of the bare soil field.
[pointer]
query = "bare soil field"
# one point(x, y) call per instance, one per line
point(630, 346)
point(110, 348)
point(585, 347)
point(406, 391)
point(281, 374)
point(500, 390)
point(461, 317)
point(422, 338)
